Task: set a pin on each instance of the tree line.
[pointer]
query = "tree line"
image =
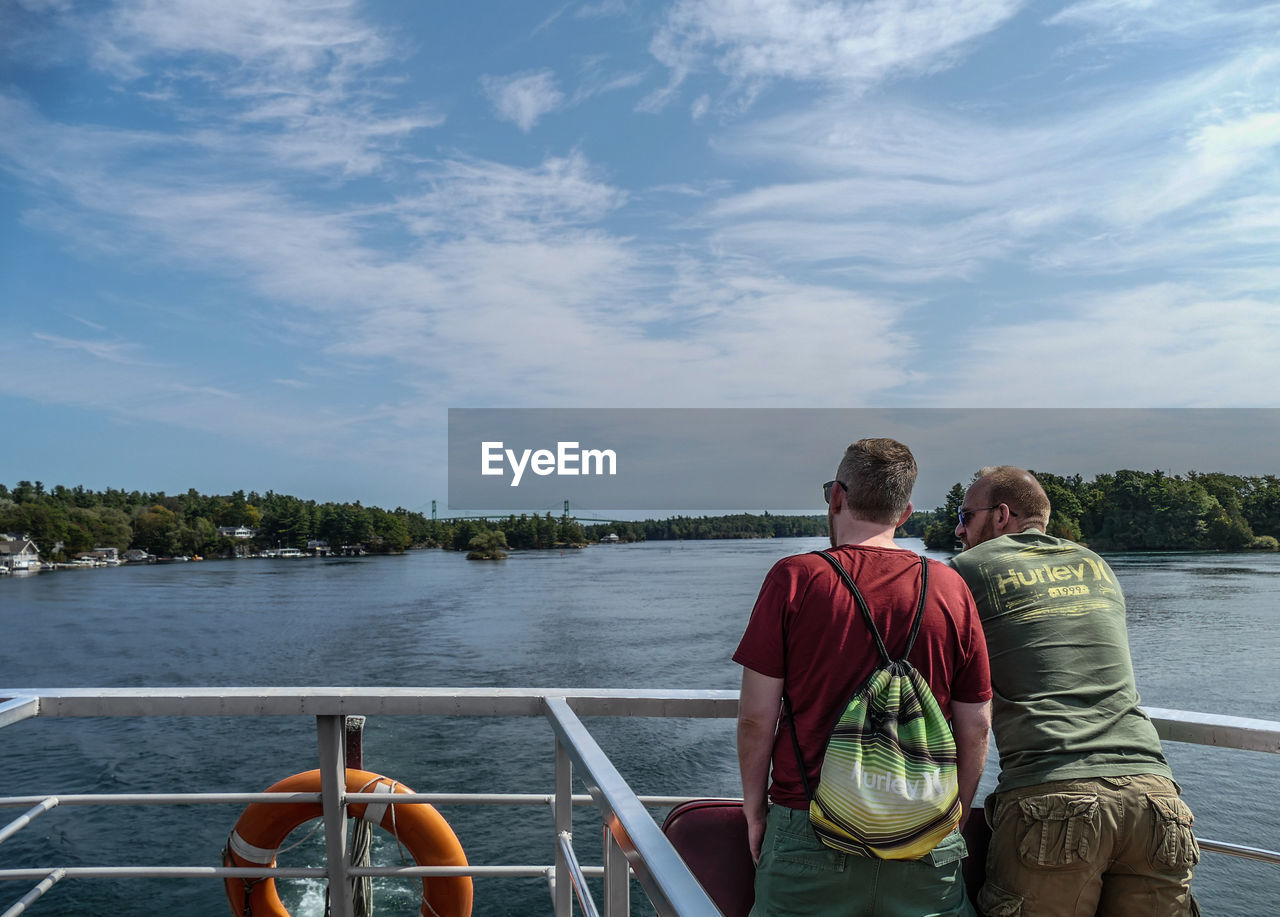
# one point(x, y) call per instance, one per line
point(691, 528)
point(1142, 511)
point(1122, 511)
point(530, 532)
point(66, 521)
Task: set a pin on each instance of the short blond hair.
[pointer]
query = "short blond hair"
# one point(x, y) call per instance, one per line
point(878, 475)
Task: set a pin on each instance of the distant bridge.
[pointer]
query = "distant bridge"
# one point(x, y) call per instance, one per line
point(501, 517)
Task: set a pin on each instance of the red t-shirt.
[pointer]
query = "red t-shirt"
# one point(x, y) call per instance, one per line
point(830, 652)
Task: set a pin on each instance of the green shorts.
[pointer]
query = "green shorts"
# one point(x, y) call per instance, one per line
point(799, 875)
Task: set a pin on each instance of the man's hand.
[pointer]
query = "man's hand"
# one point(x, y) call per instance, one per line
point(758, 708)
point(755, 834)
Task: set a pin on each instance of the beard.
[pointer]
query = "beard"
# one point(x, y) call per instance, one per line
point(984, 532)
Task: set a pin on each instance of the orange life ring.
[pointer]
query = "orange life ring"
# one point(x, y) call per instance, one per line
point(263, 827)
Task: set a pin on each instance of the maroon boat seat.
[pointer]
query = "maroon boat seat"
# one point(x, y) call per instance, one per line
point(711, 837)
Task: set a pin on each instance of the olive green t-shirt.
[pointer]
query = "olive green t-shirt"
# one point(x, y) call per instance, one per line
point(1065, 704)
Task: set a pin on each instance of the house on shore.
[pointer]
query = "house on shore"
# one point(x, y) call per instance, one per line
point(19, 553)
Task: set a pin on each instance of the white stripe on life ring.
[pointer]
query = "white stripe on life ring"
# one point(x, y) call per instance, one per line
point(374, 811)
point(247, 851)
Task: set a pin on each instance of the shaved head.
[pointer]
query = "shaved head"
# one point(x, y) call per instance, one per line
point(1018, 489)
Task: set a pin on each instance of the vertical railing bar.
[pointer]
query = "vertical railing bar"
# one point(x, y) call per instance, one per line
point(563, 817)
point(617, 878)
point(333, 786)
point(550, 876)
point(26, 818)
point(34, 895)
point(564, 843)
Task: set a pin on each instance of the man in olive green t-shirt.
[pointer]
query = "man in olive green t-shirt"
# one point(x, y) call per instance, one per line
point(1086, 819)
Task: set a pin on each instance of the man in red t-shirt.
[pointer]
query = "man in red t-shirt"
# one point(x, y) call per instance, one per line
point(828, 654)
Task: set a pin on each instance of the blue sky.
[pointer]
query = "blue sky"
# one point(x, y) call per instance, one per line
point(266, 245)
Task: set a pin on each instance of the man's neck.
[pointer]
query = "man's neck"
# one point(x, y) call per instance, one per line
point(859, 532)
point(1026, 530)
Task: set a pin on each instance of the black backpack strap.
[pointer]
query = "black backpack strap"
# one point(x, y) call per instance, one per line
point(862, 604)
point(866, 612)
point(795, 742)
point(924, 590)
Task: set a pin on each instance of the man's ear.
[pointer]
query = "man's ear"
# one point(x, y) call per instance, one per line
point(905, 516)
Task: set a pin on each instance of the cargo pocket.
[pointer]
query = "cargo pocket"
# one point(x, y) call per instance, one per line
point(994, 901)
point(1060, 829)
point(802, 852)
point(949, 850)
point(1173, 847)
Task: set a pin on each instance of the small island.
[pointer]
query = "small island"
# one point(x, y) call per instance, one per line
point(488, 546)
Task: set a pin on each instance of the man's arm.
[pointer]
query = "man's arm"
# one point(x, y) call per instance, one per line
point(758, 708)
point(971, 724)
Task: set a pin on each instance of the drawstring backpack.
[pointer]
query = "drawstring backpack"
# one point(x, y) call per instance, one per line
point(889, 784)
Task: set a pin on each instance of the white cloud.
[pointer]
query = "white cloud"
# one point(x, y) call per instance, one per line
point(1168, 345)
point(1148, 20)
point(908, 193)
point(601, 9)
point(523, 98)
point(302, 80)
point(844, 43)
point(1217, 153)
point(286, 39)
point(504, 267)
point(479, 197)
point(153, 392)
point(121, 352)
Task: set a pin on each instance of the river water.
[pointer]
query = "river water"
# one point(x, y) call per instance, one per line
point(1203, 630)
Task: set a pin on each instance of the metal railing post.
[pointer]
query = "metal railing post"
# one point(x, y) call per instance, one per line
point(563, 814)
point(36, 893)
point(330, 732)
point(617, 878)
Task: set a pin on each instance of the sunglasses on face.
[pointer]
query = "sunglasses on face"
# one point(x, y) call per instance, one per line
point(966, 515)
point(826, 490)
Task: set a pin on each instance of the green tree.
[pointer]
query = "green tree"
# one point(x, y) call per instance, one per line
point(940, 533)
point(463, 532)
point(156, 531)
point(570, 531)
point(489, 545)
point(1065, 507)
point(1261, 505)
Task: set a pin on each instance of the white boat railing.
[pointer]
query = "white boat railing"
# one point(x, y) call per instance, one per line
point(633, 844)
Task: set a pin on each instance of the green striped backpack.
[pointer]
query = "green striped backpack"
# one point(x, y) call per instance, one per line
point(889, 786)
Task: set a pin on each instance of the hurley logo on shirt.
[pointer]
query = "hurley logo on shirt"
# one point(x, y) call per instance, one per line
point(1061, 578)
